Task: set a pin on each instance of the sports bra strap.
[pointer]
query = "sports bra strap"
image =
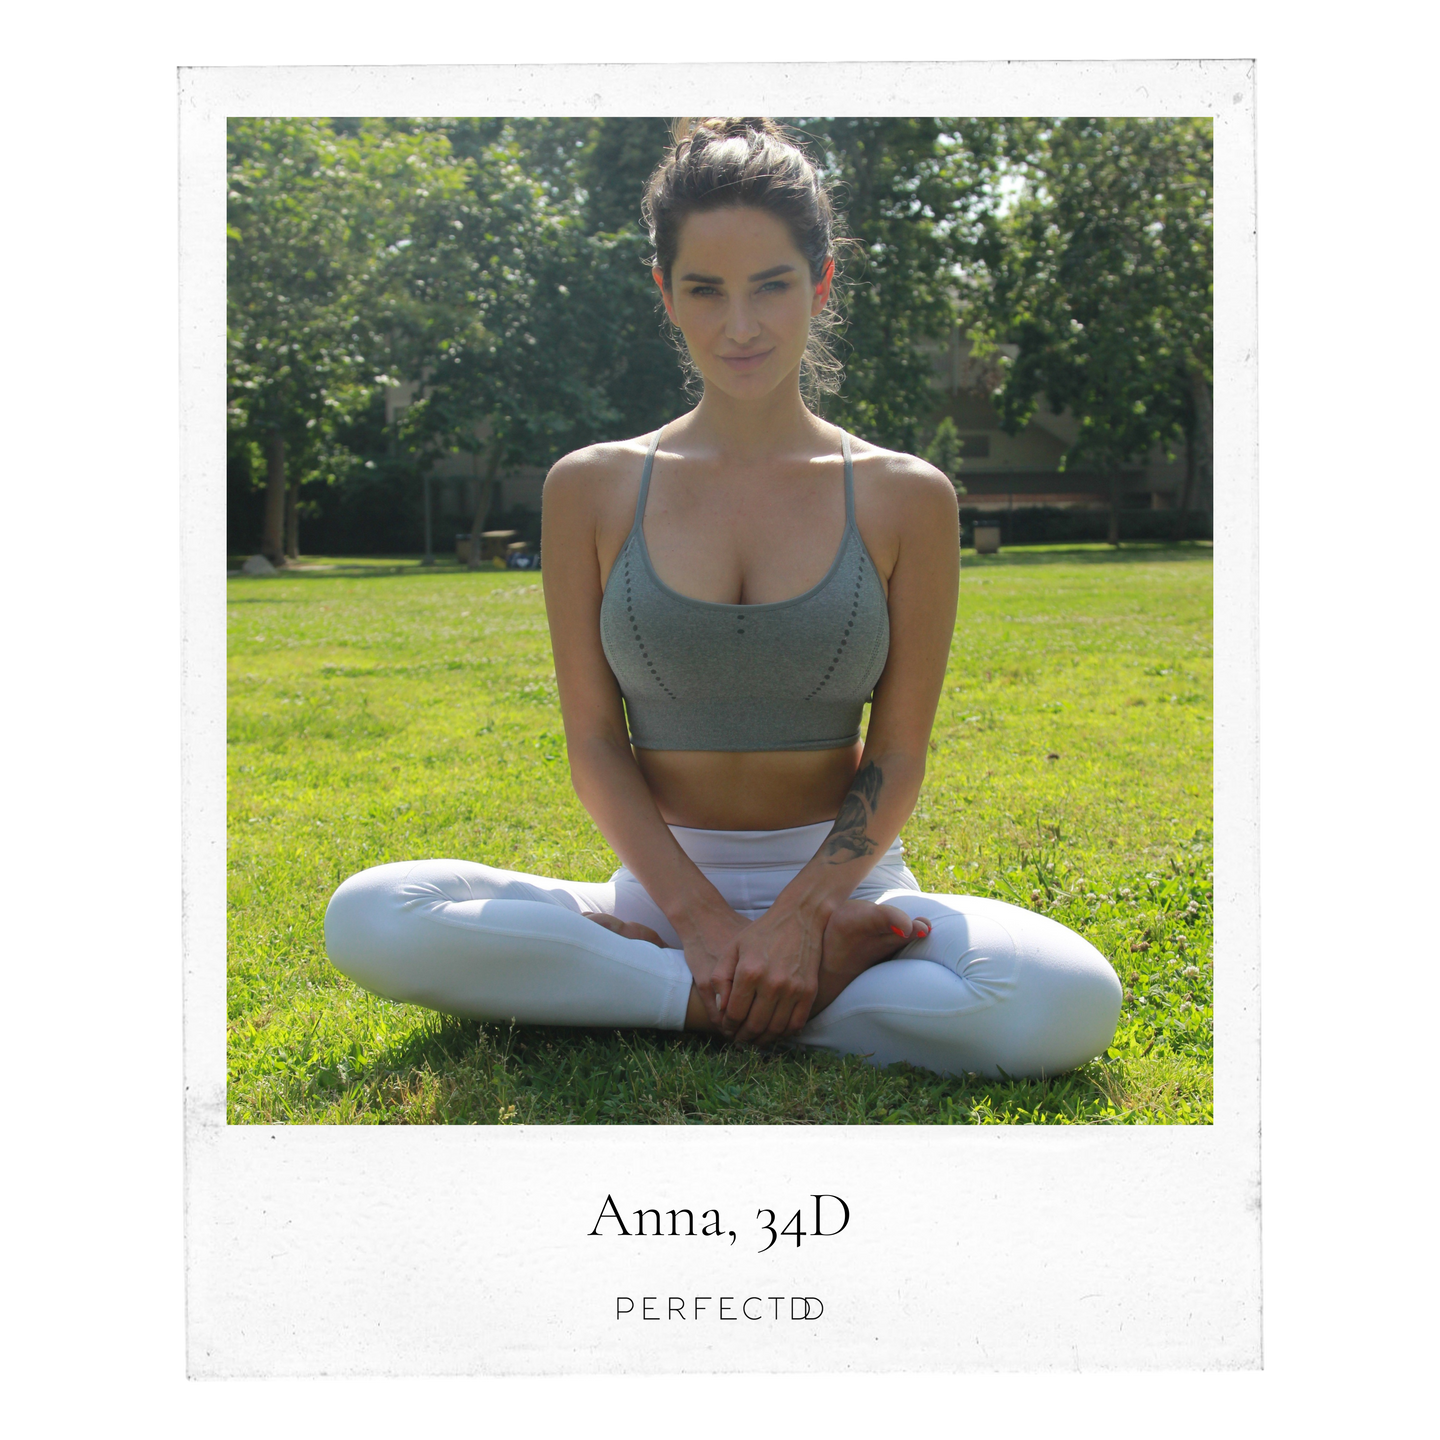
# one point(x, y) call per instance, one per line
point(645, 481)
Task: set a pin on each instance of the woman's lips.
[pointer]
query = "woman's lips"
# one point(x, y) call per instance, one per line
point(746, 362)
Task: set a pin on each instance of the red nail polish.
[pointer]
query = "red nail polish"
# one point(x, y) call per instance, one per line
point(898, 931)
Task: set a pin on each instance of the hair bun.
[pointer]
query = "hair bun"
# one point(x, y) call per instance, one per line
point(725, 127)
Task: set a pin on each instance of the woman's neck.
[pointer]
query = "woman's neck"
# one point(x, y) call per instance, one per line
point(778, 423)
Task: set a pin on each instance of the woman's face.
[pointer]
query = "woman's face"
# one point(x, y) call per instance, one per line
point(743, 296)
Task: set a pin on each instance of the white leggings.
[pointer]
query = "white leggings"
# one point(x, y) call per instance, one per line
point(992, 988)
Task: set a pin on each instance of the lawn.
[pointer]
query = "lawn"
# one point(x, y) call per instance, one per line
point(381, 711)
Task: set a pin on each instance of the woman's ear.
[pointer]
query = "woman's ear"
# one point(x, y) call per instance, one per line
point(658, 275)
point(822, 287)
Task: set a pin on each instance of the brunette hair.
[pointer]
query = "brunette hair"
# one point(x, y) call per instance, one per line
point(719, 163)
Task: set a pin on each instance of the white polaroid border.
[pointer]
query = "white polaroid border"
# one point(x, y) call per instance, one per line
point(460, 1250)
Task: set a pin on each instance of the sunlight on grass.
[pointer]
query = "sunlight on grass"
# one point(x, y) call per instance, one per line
point(380, 711)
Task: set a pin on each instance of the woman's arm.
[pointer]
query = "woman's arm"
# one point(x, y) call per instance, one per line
point(607, 780)
point(778, 960)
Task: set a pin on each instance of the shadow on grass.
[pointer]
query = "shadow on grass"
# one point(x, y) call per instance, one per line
point(380, 568)
point(474, 1073)
point(1133, 552)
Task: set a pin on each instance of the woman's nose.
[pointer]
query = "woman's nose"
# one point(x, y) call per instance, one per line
point(741, 325)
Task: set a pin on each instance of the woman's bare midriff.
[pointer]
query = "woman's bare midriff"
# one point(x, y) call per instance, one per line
point(749, 790)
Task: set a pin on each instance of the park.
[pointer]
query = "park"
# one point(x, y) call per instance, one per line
point(386, 711)
point(425, 314)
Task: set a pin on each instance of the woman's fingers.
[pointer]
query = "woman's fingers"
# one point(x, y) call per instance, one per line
point(737, 1006)
point(744, 991)
point(722, 978)
point(770, 1013)
point(799, 1014)
point(630, 929)
point(780, 1019)
point(717, 989)
point(757, 1019)
point(712, 976)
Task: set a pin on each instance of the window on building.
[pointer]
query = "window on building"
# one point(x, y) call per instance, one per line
point(974, 447)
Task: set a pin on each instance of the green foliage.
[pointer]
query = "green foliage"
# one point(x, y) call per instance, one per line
point(571, 350)
point(902, 187)
point(501, 262)
point(943, 452)
point(381, 713)
point(1101, 275)
point(342, 264)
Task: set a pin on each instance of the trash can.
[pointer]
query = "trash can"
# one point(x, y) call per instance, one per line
point(987, 537)
point(462, 548)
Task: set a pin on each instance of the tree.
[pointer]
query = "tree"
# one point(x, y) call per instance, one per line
point(643, 381)
point(499, 267)
point(572, 351)
point(1101, 276)
point(326, 285)
point(904, 187)
point(943, 452)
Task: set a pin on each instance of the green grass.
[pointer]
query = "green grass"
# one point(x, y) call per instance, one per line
point(382, 711)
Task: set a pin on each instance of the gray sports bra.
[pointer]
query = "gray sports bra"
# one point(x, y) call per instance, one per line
point(700, 675)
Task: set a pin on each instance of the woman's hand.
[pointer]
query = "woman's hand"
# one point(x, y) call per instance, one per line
point(776, 970)
point(709, 942)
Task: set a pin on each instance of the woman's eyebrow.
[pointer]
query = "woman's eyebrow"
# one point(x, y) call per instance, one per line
point(763, 275)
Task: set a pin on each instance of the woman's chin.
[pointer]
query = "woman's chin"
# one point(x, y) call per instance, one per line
point(757, 384)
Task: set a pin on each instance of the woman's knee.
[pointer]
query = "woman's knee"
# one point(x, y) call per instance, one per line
point(1070, 990)
point(360, 920)
point(1045, 997)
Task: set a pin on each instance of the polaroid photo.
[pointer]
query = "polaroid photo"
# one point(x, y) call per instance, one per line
point(532, 1248)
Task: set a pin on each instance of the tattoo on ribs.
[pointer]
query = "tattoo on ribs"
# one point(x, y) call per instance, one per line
point(848, 839)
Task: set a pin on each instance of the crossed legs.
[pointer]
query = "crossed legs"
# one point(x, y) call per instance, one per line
point(990, 988)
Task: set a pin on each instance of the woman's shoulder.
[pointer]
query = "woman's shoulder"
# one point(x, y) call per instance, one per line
point(597, 474)
point(601, 461)
point(894, 478)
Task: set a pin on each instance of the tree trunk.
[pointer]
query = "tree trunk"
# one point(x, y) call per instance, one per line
point(1204, 433)
point(1114, 536)
point(1189, 487)
point(272, 547)
point(429, 536)
point(482, 504)
point(292, 520)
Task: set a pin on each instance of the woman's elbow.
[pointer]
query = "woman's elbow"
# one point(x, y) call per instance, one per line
point(591, 757)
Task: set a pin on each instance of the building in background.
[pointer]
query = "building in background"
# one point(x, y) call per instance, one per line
point(456, 479)
point(1003, 472)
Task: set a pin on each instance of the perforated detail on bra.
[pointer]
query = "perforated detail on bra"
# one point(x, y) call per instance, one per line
point(635, 628)
point(845, 636)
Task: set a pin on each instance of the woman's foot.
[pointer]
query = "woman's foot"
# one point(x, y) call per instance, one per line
point(628, 928)
point(861, 934)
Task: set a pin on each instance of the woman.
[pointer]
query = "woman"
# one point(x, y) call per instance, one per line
point(739, 583)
